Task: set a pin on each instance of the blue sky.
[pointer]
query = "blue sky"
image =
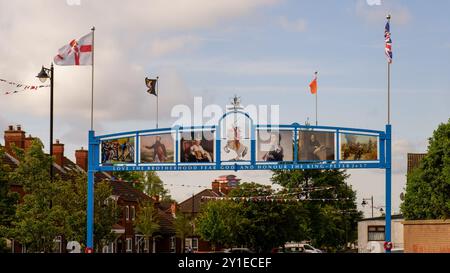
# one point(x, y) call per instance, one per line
point(266, 51)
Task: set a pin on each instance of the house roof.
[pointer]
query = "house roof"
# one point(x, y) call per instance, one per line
point(126, 191)
point(120, 188)
point(187, 207)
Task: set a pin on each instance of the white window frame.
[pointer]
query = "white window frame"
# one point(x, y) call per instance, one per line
point(133, 213)
point(196, 247)
point(58, 240)
point(189, 243)
point(127, 213)
point(129, 245)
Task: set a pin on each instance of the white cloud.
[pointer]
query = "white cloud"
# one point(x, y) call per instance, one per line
point(298, 25)
point(376, 13)
point(161, 47)
point(128, 39)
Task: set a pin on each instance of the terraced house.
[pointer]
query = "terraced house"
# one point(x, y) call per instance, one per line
point(126, 197)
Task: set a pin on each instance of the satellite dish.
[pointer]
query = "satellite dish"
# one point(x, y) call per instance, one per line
point(402, 196)
point(374, 247)
point(73, 247)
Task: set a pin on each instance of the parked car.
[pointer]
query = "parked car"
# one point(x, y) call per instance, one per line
point(238, 250)
point(297, 248)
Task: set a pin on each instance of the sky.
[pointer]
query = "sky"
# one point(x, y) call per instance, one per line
point(266, 51)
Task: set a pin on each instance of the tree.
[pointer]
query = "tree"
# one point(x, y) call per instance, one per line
point(258, 225)
point(8, 202)
point(428, 186)
point(183, 228)
point(147, 220)
point(266, 224)
point(220, 223)
point(331, 224)
point(58, 208)
point(37, 221)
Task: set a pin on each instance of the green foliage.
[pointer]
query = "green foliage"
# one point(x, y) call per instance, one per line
point(59, 208)
point(147, 220)
point(428, 187)
point(258, 225)
point(331, 224)
point(8, 201)
point(183, 227)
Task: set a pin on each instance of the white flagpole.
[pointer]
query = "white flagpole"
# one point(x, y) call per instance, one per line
point(157, 102)
point(388, 17)
point(317, 91)
point(92, 86)
point(316, 110)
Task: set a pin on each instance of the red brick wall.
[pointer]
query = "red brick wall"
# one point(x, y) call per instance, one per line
point(426, 236)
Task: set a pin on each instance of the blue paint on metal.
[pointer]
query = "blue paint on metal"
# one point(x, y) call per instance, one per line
point(90, 191)
point(213, 167)
point(384, 161)
point(338, 148)
point(137, 149)
point(388, 182)
point(295, 146)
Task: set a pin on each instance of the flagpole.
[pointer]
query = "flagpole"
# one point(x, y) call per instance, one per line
point(157, 102)
point(389, 93)
point(316, 110)
point(317, 93)
point(388, 17)
point(92, 86)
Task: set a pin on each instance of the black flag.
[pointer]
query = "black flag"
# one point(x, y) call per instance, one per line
point(151, 84)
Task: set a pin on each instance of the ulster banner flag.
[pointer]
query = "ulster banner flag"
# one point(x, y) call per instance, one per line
point(77, 52)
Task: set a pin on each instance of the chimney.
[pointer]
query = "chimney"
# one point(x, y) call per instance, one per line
point(81, 158)
point(224, 188)
point(58, 153)
point(215, 186)
point(28, 142)
point(14, 137)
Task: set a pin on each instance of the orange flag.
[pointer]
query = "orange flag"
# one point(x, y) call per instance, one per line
point(313, 85)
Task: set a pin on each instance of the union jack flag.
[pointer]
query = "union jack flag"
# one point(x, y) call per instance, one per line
point(388, 42)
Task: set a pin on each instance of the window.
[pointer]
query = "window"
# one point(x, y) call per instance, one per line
point(129, 245)
point(57, 244)
point(133, 213)
point(191, 243)
point(376, 233)
point(173, 244)
point(127, 213)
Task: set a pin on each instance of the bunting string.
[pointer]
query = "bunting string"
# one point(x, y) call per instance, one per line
point(268, 199)
point(19, 87)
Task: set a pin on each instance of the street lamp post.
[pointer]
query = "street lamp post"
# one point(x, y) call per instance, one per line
point(43, 75)
point(371, 205)
point(365, 203)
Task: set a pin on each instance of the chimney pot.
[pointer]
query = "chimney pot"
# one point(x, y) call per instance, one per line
point(14, 138)
point(58, 153)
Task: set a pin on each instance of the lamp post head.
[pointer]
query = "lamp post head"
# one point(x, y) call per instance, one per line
point(43, 76)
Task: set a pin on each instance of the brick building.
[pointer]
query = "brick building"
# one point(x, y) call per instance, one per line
point(192, 206)
point(414, 160)
point(124, 194)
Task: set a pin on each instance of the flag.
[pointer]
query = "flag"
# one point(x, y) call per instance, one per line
point(151, 84)
point(388, 42)
point(77, 52)
point(313, 84)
